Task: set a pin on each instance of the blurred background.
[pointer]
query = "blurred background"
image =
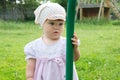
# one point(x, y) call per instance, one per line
point(21, 9)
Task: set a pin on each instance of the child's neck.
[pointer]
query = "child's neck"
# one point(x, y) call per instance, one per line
point(49, 41)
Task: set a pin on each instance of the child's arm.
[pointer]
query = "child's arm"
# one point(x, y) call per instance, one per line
point(76, 50)
point(30, 68)
point(76, 54)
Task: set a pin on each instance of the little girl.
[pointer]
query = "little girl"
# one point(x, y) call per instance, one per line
point(46, 55)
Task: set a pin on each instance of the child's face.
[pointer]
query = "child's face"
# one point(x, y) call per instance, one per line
point(53, 28)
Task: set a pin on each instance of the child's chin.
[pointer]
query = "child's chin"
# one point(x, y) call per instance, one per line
point(56, 38)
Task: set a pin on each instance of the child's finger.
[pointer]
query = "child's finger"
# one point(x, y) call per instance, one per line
point(75, 41)
point(75, 36)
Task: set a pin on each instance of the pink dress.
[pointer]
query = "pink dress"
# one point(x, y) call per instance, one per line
point(50, 59)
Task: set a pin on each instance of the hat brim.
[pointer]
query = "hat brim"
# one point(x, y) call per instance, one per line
point(56, 17)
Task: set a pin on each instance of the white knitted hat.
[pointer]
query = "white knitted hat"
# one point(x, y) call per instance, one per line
point(50, 11)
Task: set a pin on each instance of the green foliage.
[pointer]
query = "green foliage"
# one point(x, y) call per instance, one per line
point(100, 49)
point(116, 22)
point(31, 3)
point(61, 2)
point(94, 21)
point(17, 25)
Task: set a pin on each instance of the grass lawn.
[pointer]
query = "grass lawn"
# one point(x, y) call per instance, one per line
point(100, 50)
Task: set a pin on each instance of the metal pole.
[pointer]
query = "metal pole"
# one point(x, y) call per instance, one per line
point(70, 32)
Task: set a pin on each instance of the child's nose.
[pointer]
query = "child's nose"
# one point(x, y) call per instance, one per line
point(56, 26)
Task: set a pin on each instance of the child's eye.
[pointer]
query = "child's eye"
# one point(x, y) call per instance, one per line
point(60, 24)
point(51, 23)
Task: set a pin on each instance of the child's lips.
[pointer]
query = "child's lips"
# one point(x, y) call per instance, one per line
point(55, 32)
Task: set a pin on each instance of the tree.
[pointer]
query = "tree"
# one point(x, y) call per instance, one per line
point(62, 2)
point(3, 6)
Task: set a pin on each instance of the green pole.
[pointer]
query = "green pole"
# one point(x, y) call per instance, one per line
point(70, 32)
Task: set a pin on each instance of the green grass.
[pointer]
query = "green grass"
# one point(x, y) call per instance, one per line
point(100, 49)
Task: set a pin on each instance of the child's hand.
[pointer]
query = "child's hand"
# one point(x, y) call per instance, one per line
point(75, 41)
